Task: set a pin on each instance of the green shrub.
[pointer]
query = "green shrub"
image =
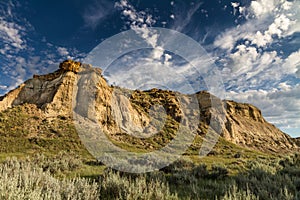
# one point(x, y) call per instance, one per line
point(266, 185)
point(115, 186)
point(218, 172)
point(178, 165)
point(200, 171)
point(24, 180)
point(34, 178)
point(61, 163)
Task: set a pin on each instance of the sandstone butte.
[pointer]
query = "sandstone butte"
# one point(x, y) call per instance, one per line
point(54, 94)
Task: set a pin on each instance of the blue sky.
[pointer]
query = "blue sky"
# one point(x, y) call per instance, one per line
point(254, 44)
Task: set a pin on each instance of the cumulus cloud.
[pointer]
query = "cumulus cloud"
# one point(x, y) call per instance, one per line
point(250, 68)
point(266, 21)
point(292, 63)
point(260, 7)
point(256, 72)
point(249, 56)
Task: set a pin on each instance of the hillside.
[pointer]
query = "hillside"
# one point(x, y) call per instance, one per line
point(43, 111)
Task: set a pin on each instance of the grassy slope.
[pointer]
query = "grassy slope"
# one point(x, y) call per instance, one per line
point(24, 130)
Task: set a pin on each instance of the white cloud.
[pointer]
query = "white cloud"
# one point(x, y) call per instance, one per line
point(139, 21)
point(284, 86)
point(3, 87)
point(235, 6)
point(287, 5)
point(267, 21)
point(95, 13)
point(139, 71)
point(11, 34)
point(291, 64)
point(157, 53)
point(63, 51)
point(168, 57)
point(249, 61)
point(256, 72)
point(248, 67)
point(226, 40)
point(158, 63)
point(262, 7)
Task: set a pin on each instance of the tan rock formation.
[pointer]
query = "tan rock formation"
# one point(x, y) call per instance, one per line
point(7, 100)
point(297, 140)
point(246, 126)
point(80, 88)
point(70, 65)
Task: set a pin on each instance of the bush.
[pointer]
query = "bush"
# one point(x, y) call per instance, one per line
point(35, 179)
point(178, 165)
point(115, 186)
point(24, 180)
point(61, 163)
point(218, 172)
point(266, 185)
point(200, 171)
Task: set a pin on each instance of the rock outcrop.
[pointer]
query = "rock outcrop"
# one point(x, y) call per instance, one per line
point(80, 89)
point(70, 65)
point(297, 140)
point(246, 126)
point(7, 100)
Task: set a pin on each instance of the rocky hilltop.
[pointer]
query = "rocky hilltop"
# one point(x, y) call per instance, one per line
point(80, 89)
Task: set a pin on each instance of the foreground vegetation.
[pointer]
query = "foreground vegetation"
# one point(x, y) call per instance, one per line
point(228, 172)
point(41, 177)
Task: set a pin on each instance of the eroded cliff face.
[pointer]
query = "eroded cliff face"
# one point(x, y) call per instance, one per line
point(242, 124)
point(81, 90)
point(53, 93)
point(7, 100)
point(297, 140)
point(246, 126)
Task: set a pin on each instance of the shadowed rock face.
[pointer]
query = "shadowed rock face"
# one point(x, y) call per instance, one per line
point(80, 88)
point(297, 140)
